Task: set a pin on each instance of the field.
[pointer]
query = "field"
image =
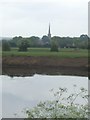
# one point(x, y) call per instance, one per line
point(43, 61)
point(63, 53)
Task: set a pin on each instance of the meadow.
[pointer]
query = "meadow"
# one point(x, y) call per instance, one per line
point(63, 53)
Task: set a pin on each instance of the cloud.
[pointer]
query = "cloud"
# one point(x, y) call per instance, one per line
point(31, 17)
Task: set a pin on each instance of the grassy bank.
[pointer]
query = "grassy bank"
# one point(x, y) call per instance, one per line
point(63, 53)
point(42, 61)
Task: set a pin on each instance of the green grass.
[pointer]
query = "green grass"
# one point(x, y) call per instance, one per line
point(63, 53)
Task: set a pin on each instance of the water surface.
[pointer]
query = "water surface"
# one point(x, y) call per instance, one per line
point(25, 92)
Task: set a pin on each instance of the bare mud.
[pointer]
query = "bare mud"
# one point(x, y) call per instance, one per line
point(28, 66)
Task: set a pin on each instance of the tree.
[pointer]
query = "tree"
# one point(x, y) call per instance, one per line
point(83, 37)
point(23, 45)
point(54, 46)
point(89, 43)
point(45, 41)
point(16, 41)
point(5, 45)
point(34, 41)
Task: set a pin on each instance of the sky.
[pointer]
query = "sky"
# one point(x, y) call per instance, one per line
point(32, 17)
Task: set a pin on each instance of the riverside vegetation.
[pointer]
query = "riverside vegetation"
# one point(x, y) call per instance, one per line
point(63, 52)
point(61, 107)
point(58, 46)
point(69, 55)
point(67, 61)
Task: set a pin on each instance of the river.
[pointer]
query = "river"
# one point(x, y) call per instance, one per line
point(25, 92)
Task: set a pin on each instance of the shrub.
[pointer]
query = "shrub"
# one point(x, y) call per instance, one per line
point(61, 107)
point(23, 46)
point(54, 46)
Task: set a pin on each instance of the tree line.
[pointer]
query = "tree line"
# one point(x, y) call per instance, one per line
point(56, 42)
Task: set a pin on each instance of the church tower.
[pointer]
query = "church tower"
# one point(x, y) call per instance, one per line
point(49, 33)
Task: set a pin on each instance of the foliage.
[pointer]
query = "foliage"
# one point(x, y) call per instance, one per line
point(23, 45)
point(34, 41)
point(83, 37)
point(61, 107)
point(63, 42)
point(45, 41)
point(15, 42)
point(54, 46)
point(5, 45)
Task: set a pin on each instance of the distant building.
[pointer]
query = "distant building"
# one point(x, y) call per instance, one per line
point(49, 33)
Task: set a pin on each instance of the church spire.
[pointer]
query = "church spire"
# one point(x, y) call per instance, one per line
point(49, 29)
point(49, 33)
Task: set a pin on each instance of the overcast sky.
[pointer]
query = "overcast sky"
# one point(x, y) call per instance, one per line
point(31, 17)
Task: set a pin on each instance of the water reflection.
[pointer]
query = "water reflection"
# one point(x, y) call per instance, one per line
point(24, 92)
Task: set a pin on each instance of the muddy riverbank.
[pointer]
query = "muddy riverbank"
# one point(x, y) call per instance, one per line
point(28, 66)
